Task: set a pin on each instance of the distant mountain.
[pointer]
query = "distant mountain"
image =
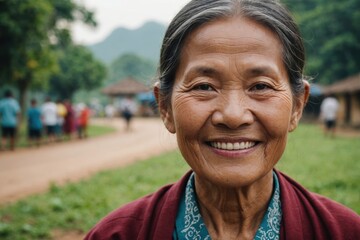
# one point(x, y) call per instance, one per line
point(144, 42)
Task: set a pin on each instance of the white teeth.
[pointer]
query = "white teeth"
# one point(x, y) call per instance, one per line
point(232, 146)
point(229, 146)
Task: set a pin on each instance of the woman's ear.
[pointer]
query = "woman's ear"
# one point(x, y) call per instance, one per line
point(299, 105)
point(164, 109)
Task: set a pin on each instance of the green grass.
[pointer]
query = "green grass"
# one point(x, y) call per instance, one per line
point(93, 131)
point(96, 130)
point(78, 206)
point(327, 166)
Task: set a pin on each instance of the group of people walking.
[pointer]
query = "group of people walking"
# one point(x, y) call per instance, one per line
point(57, 120)
point(46, 123)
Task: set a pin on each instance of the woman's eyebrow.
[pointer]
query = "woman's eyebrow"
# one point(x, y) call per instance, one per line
point(201, 71)
point(251, 72)
point(260, 71)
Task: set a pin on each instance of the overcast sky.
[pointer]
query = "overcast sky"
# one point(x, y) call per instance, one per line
point(131, 14)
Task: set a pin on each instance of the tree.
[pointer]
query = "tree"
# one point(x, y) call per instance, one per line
point(78, 70)
point(331, 31)
point(28, 31)
point(131, 65)
point(24, 49)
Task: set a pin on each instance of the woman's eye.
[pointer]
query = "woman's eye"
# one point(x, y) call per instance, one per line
point(260, 87)
point(204, 87)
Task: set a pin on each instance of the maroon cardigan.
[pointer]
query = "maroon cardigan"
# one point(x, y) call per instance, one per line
point(305, 216)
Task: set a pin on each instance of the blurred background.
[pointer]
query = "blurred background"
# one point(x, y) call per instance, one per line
point(91, 56)
point(73, 49)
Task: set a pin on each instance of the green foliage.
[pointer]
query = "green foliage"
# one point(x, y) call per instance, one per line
point(78, 70)
point(127, 65)
point(332, 34)
point(29, 31)
point(324, 165)
point(23, 39)
point(131, 65)
point(92, 97)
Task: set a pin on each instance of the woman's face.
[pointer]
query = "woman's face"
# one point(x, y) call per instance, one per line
point(231, 104)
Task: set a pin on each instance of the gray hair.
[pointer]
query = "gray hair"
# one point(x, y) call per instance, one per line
point(269, 13)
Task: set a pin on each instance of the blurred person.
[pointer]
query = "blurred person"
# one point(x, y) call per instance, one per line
point(9, 116)
point(77, 110)
point(127, 108)
point(34, 124)
point(109, 111)
point(69, 120)
point(49, 119)
point(328, 113)
point(231, 87)
point(61, 113)
point(83, 119)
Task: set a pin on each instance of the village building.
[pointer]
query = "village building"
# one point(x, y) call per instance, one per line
point(347, 92)
point(138, 91)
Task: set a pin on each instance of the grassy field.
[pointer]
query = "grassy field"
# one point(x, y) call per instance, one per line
point(93, 131)
point(328, 166)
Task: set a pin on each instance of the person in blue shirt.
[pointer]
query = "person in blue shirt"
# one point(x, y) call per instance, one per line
point(9, 114)
point(34, 124)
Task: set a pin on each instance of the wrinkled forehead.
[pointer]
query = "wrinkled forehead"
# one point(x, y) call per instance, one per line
point(232, 35)
point(236, 37)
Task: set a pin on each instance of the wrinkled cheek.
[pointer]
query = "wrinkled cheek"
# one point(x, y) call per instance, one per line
point(189, 145)
point(188, 120)
point(276, 120)
point(276, 143)
point(184, 115)
point(277, 131)
point(192, 154)
point(274, 150)
point(189, 115)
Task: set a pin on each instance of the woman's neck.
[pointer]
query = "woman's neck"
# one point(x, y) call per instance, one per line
point(233, 213)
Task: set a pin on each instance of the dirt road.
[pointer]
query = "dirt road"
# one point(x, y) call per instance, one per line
point(29, 171)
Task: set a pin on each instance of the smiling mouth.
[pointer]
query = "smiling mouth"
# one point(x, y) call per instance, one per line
point(233, 146)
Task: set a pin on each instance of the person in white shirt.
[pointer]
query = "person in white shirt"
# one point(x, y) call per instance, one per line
point(109, 111)
point(49, 118)
point(329, 108)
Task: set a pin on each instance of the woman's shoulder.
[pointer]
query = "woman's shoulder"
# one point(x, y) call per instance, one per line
point(342, 214)
point(292, 189)
point(123, 222)
point(139, 216)
point(314, 214)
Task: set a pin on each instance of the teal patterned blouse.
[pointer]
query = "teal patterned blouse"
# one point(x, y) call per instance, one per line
point(190, 225)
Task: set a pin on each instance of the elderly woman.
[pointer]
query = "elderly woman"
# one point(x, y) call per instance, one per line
point(231, 88)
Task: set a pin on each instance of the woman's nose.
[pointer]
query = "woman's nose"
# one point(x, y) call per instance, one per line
point(233, 110)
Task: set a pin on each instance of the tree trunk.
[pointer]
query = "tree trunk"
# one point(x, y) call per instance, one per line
point(23, 87)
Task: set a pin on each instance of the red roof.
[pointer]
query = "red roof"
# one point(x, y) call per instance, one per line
point(350, 84)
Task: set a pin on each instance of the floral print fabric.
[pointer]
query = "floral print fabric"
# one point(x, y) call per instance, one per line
point(190, 225)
